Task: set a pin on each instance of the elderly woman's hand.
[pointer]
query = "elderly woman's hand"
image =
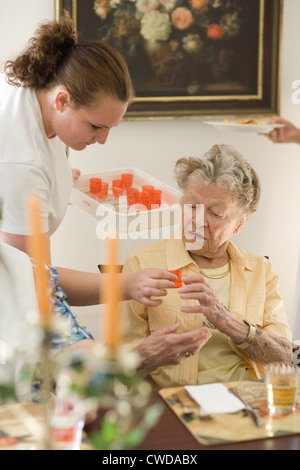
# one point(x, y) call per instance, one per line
point(166, 347)
point(147, 283)
point(195, 287)
point(266, 347)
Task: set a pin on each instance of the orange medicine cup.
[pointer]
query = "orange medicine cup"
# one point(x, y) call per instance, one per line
point(104, 187)
point(145, 200)
point(156, 197)
point(178, 282)
point(127, 179)
point(102, 194)
point(147, 189)
point(95, 185)
point(117, 191)
point(132, 194)
point(118, 183)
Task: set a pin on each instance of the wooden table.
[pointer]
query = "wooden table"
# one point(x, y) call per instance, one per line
point(171, 434)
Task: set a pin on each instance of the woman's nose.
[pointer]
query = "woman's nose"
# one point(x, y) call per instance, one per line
point(101, 136)
point(199, 218)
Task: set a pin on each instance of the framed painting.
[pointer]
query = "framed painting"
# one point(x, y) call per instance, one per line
point(190, 58)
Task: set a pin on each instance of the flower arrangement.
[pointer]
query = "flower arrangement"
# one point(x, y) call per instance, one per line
point(114, 393)
point(179, 39)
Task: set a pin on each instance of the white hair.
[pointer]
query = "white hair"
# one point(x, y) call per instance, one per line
point(225, 167)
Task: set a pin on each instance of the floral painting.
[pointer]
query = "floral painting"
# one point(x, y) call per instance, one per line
point(190, 57)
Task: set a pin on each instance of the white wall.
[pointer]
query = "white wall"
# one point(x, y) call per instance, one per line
point(155, 146)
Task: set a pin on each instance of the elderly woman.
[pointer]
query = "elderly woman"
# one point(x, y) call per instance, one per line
point(227, 320)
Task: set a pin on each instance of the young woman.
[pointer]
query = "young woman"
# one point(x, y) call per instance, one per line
point(60, 93)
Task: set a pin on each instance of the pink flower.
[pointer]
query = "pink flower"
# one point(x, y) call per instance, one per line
point(182, 18)
point(101, 8)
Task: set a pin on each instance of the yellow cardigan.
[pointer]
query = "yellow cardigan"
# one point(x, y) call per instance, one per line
point(254, 297)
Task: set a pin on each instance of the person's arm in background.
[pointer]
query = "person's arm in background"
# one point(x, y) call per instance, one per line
point(283, 135)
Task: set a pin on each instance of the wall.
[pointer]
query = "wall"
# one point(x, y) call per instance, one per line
point(155, 146)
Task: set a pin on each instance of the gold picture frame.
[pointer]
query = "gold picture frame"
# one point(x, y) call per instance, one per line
point(215, 58)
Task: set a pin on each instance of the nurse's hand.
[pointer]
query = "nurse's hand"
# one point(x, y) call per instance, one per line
point(147, 283)
point(75, 173)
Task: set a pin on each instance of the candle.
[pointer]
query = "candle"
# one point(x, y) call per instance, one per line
point(38, 252)
point(112, 291)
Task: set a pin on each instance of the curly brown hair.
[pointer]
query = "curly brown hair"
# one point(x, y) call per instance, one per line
point(88, 68)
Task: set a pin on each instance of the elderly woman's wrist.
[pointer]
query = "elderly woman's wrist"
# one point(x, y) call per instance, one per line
point(249, 338)
point(236, 329)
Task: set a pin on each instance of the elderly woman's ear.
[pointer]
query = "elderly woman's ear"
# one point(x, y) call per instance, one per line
point(241, 223)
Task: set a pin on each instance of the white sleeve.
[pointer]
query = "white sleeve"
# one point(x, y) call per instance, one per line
point(17, 182)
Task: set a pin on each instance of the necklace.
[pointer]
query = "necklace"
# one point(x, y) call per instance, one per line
point(216, 276)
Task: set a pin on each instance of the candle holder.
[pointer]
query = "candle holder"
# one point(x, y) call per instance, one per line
point(27, 375)
point(39, 367)
point(118, 399)
point(21, 359)
point(38, 383)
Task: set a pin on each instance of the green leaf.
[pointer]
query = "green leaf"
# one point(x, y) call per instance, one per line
point(103, 439)
point(201, 19)
point(7, 393)
point(133, 438)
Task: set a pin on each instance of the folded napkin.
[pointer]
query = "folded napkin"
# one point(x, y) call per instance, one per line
point(215, 398)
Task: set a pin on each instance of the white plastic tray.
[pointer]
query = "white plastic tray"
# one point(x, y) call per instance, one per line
point(117, 216)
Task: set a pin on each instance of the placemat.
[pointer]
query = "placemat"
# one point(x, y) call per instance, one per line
point(235, 427)
point(22, 426)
